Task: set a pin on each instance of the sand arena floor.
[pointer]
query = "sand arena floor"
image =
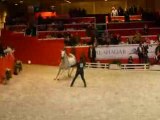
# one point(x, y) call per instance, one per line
point(110, 95)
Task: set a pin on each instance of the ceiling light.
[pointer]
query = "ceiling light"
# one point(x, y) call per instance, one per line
point(21, 1)
point(67, 1)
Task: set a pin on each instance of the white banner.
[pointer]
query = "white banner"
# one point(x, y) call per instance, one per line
point(121, 51)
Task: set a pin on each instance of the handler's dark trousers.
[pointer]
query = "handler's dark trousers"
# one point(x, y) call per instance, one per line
point(81, 73)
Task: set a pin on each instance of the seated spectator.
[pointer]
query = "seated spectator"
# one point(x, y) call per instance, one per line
point(137, 38)
point(60, 26)
point(73, 41)
point(67, 40)
point(130, 60)
point(77, 38)
point(130, 40)
point(145, 29)
point(114, 11)
point(118, 37)
point(115, 39)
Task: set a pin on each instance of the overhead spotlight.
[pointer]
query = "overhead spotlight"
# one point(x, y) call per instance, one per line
point(15, 4)
point(105, 0)
point(67, 1)
point(21, 1)
point(3, 1)
point(52, 7)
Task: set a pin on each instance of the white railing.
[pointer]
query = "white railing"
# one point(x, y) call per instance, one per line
point(135, 66)
point(97, 65)
point(122, 66)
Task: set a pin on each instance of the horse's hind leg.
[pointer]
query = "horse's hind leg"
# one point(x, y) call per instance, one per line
point(70, 72)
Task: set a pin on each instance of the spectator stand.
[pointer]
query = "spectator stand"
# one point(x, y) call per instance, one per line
point(147, 38)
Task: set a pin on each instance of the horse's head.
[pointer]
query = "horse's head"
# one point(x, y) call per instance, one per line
point(67, 61)
point(63, 54)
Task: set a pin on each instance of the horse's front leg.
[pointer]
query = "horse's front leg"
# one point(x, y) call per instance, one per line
point(57, 74)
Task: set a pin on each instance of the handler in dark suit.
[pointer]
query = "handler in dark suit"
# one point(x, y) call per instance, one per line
point(1, 49)
point(140, 51)
point(80, 71)
point(92, 53)
point(157, 53)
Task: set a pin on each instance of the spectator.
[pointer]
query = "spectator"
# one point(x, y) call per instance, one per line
point(115, 39)
point(92, 53)
point(140, 53)
point(145, 52)
point(120, 11)
point(126, 15)
point(130, 40)
point(73, 41)
point(134, 10)
point(137, 38)
point(114, 11)
point(60, 26)
point(157, 53)
point(145, 29)
point(1, 49)
point(130, 60)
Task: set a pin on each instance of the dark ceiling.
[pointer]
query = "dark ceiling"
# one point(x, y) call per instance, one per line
point(46, 2)
point(34, 2)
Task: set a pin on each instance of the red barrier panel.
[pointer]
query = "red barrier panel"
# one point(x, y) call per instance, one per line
point(135, 17)
point(117, 18)
point(2, 69)
point(45, 52)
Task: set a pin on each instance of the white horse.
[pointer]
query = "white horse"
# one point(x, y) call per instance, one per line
point(67, 63)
